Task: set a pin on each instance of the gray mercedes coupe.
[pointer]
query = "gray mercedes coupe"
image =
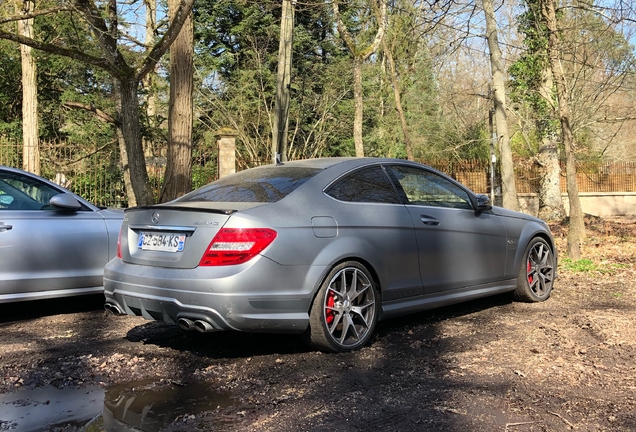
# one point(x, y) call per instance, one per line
point(324, 247)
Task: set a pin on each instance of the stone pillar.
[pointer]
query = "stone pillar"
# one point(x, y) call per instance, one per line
point(226, 142)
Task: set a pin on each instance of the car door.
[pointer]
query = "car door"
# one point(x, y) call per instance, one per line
point(371, 214)
point(44, 249)
point(457, 247)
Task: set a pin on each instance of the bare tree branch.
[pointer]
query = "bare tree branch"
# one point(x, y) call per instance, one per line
point(56, 49)
point(101, 115)
point(36, 14)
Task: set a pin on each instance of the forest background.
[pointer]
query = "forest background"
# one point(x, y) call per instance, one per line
point(137, 90)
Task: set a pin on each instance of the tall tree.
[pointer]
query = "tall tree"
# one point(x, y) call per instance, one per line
point(178, 177)
point(283, 82)
point(360, 52)
point(410, 92)
point(397, 96)
point(150, 80)
point(576, 231)
point(241, 41)
point(532, 85)
point(127, 71)
point(597, 62)
point(509, 190)
point(30, 129)
point(463, 81)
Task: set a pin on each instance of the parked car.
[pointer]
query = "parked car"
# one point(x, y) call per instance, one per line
point(326, 247)
point(52, 242)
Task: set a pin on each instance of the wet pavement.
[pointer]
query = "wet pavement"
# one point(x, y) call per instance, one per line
point(43, 408)
point(147, 406)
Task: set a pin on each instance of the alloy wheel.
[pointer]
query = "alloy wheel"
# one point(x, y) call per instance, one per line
point(540, 270)
point(349, 307)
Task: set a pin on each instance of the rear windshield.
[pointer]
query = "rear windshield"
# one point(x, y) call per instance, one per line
point(266, 184)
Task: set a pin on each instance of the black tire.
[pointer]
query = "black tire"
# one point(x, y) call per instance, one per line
point(536, 275)
point(345, 310)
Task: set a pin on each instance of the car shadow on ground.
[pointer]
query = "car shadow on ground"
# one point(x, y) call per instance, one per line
point(18, 311)
point(223, 344)
point(433, 316)
point(231, 344)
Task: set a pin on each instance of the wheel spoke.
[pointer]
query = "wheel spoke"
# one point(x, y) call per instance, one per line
point(354, 284)
point(359, 311)
point(353, 295)
point(343, 284)
point(346, 324)
point(543, 256)
point(336, 322)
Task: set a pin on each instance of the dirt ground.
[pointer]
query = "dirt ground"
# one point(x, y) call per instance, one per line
point(492, 365)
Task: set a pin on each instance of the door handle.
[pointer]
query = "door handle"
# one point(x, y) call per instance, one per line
point(5, 227)
point(427, 220)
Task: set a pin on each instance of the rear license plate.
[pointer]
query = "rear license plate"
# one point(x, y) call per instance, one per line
point(161, 242)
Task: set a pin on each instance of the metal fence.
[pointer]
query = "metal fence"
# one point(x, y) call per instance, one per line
point(93, 173)
point(591, 176)
point(96, 174)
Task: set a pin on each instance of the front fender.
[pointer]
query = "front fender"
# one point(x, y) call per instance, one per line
point(526, 234)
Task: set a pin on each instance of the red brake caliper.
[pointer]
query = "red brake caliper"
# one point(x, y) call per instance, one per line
point(331, 302)
point(528, 270)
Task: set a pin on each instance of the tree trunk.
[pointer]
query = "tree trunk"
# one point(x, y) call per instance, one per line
point(359, 57)
point(576, 232)
point(358, 103)
point(123, 157)
point(132, 156)
point(149, 79)
point(31, 146)
point(178, 177)
point(550, 202)
point(283, 81)
point(398, 101)
point(509, 191)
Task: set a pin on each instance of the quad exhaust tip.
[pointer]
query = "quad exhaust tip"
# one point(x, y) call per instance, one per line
point(186, 324)
point(200, 325)
point(203, 326)
point(114, 309)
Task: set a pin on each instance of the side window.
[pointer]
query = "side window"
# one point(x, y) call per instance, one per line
point(369, 185)
point(18, 192)
point(426, 188)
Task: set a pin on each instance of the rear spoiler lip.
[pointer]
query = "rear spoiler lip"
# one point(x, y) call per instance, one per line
point(179, 208)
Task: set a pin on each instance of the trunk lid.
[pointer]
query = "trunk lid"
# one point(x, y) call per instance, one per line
point(171, 236)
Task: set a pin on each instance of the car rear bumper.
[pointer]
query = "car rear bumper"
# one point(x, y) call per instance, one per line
point(267, 298)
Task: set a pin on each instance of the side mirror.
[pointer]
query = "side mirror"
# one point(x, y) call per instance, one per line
point(483, 203)
point(65, 201)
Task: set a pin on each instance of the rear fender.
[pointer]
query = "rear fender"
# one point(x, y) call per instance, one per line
point(348, 249)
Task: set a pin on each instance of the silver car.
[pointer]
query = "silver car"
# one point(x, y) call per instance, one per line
point(325, 247)
point(52, 242)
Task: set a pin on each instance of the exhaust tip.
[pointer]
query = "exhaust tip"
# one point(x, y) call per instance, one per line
point(113, 309)
point(203, 326)
point(186, 324)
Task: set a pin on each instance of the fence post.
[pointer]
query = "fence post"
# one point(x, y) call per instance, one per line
point(226, 142)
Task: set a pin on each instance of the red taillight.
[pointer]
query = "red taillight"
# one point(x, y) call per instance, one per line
point(232, 246)
point(119, 243)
